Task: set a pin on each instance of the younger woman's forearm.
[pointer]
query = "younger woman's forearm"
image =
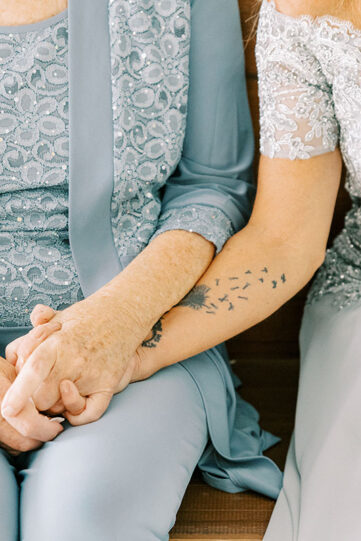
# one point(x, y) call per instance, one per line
point(248, 281)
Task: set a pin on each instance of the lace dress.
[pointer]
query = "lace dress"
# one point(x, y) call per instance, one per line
point(157, 136)
point(310, 100)
point(36, 265)
point(310, 89)
point(149, 57)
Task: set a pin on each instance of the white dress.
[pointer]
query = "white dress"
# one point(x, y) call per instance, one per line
point(310, 95)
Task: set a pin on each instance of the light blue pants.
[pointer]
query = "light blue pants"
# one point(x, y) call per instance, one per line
point(121, 478)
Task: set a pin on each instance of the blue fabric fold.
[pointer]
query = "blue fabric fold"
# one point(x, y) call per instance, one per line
point(233, 461)
point(216, 168)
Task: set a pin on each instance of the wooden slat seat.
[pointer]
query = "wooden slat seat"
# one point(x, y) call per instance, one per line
point(270, 384)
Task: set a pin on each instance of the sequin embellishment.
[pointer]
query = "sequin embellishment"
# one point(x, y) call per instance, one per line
point(36, 265)
point(150, 78)
point(310, 101)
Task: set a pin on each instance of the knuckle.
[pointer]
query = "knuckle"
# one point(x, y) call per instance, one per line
point(37, 332)
point(74, 421)
point(38, 308)
point(96, 414)
point(10, 348)
point(24, 446)
point(26, 430)
point(11, 352)
point(36, 366)
point(41, 403)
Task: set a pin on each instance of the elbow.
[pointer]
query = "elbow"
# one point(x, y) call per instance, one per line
point(317, 259)
point(308, 260)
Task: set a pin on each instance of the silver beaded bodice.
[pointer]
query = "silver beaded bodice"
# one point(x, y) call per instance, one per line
point(310, 101)
point(36, 264)
point(149, 46)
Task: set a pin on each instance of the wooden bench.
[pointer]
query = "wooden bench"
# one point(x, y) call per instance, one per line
point(266, 360)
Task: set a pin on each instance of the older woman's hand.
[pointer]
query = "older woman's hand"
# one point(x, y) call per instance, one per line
point(93, 347)
point(71, 403)
point(10, 439)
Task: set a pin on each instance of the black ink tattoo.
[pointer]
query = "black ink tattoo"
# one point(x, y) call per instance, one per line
point(156, 337)
point(200, 296)
point(197, 298)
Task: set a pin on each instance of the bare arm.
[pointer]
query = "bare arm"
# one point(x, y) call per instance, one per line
point(261, 267)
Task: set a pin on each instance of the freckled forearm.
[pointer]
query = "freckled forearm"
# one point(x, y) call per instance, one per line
point(247, 282)
point(156, 280)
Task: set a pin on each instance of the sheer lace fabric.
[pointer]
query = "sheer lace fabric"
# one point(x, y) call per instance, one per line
point(310, 102)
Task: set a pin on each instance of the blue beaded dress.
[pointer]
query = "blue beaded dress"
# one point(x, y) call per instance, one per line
point(120, 120)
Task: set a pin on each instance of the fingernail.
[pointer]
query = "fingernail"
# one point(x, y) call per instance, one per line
point(8, 411)
point(57, 419)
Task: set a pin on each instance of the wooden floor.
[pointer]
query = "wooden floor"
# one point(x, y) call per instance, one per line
point(208, 514)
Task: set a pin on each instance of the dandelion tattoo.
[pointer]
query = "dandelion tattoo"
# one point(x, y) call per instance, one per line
point(200, 296)
point(197, 298)
point(154, 340)
point(227, 297)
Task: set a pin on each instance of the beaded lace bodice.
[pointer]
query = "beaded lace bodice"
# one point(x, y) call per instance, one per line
point(150, 49)
point(36, 264)
point(310, 102)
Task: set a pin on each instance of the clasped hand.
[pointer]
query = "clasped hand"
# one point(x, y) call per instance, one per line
point(72, 363)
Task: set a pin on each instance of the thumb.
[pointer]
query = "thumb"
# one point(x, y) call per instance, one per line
point(95, 406)
point(74, 403)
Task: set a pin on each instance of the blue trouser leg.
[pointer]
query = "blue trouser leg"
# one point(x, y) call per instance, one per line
point(123, 477)
point(9, 496)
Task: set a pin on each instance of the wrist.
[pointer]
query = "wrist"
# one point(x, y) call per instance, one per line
point(128, 303)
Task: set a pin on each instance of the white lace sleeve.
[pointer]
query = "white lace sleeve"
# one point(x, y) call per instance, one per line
point(297, 115)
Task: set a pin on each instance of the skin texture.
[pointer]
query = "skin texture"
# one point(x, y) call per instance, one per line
point(286, 235)
point(95, 343)
point(259, 269)
point(343, 9)
point(19, 12)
